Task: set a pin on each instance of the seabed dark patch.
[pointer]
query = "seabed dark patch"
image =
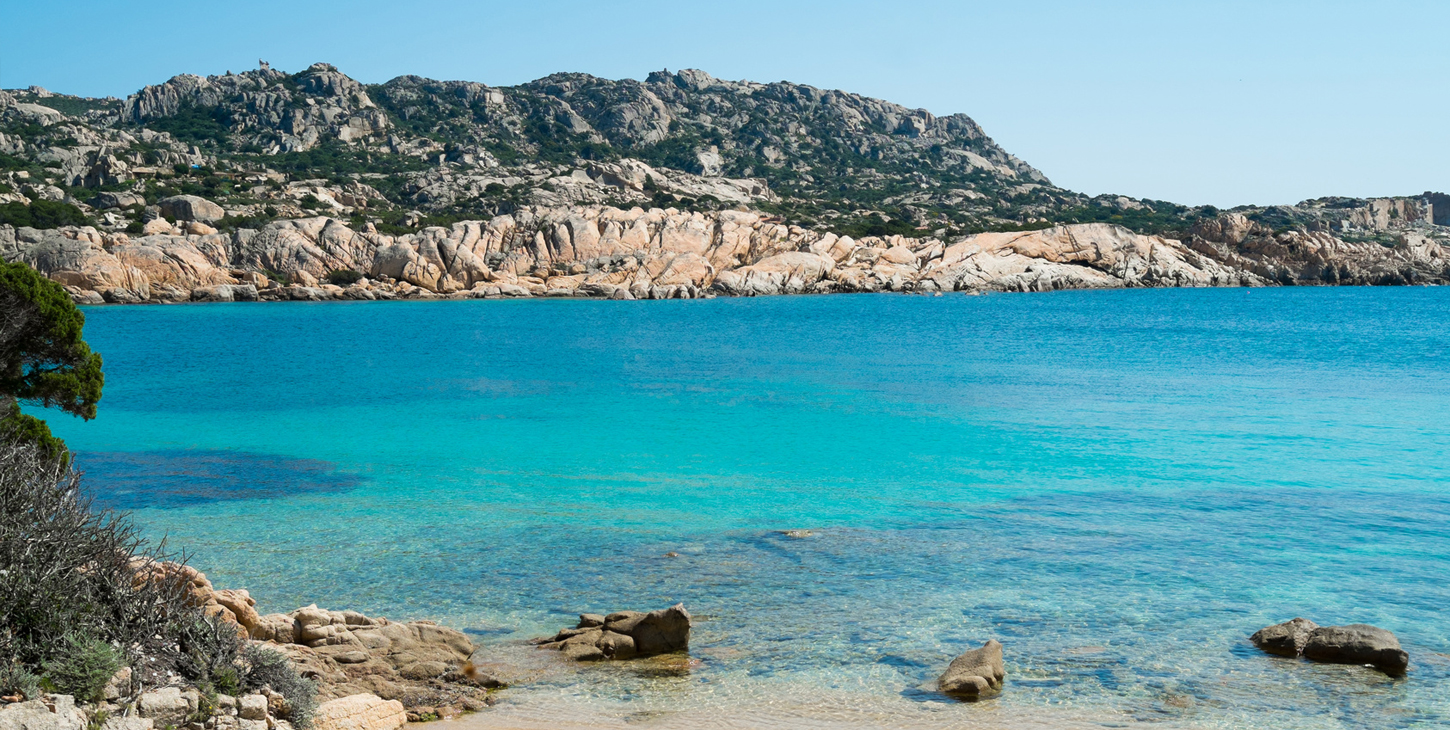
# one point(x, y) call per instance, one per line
point(182, 478)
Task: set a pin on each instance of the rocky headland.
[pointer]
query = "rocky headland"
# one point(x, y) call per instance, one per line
point(265, 185)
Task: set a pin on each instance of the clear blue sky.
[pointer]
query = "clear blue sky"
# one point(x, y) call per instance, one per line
point(1225, 103)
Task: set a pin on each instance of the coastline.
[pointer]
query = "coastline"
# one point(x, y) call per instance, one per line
point(608, 253)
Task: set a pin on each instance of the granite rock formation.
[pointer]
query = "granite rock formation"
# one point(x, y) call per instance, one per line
point(1352, 644)
point(623, 635)
point(598, 252)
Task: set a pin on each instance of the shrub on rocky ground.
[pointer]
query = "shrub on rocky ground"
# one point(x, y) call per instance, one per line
point(343, 277)
point(82, 665)
point(267, 668)
point(17, 680)
point(83, 594)
point(69, 568)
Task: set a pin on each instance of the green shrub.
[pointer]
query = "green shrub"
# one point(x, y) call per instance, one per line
point(343, 277)
point(227, 680)
point(15, 679)
point(82, 666)
point(268, 668)
point(42, 214)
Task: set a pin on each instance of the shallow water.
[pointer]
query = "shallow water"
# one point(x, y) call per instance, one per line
point(1119, 486)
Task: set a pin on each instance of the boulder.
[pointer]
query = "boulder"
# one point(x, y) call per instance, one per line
point(252, 707)
point(974, 674)
point(157, 227)
point(663, 631)
point(165, 706)
point(119, 686)
point(1357, 644)
point(128, 723)
point(624, 635)
point(106, 201)
point(359, 712)
point(60, 713)
point(1285, 639)
point(1352, 644)
point(191, 208)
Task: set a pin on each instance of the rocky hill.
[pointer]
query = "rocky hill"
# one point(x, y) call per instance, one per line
point(557, 185)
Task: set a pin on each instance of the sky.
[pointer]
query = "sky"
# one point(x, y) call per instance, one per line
point(1221, 103)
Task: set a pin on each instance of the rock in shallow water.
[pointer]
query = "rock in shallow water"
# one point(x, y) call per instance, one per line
point(976, 673)
point(1285, 639)
point(1352, 644)
point(624, 635)
point(1357, 644)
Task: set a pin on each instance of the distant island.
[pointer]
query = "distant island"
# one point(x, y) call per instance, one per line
point(266, 185)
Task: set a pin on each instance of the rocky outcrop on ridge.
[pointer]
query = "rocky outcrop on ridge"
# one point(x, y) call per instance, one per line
point(1352, 644)
point(623, 635)
point(285, 112)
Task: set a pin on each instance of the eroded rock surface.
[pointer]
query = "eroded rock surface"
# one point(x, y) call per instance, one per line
point(55, 712)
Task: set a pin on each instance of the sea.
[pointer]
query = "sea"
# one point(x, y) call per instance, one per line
point(845, 491)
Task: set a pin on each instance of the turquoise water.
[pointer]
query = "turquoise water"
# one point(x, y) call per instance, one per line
point(1120, 486)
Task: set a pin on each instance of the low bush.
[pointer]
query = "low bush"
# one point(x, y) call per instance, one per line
point(15, 679)
point(42, 214)
point(82, 666)
point(343, 277)
point(269, 668)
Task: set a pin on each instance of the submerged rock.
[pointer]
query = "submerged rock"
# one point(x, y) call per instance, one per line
point(1352, 644)
point(624, 635)
point(976, 673)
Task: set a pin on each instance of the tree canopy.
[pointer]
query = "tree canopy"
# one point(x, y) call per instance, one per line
point(43, 360)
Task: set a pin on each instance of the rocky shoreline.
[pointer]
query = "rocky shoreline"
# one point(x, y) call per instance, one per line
point(608, 253)
point(376, 674)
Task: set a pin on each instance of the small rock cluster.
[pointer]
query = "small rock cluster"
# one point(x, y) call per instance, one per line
point(1352, 644)
point(173, 707)
point(623, 635)
point(125, 708)
point(422, 664)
